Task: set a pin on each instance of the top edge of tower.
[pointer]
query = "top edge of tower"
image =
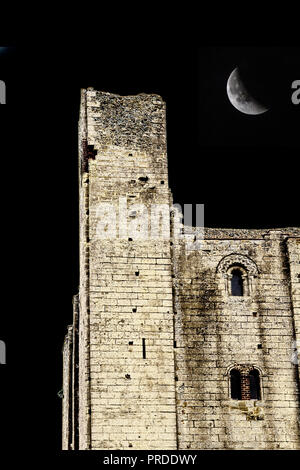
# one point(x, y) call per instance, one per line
point(100, 93)
point(135, 122)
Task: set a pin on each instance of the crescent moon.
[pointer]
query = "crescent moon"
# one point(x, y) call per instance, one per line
point(239, 96)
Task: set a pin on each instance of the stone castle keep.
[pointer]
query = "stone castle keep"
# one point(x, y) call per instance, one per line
point(173, 348)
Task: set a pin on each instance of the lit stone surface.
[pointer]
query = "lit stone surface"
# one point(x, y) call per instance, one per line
point(215, 331)
point(147, 362)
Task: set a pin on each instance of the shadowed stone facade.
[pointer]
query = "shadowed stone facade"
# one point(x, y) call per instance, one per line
point(157, 332)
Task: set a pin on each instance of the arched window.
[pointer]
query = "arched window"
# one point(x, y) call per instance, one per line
point(237, 287)
point(254, 385)
point(235, 384)
point(239, 273)
point(245, 383)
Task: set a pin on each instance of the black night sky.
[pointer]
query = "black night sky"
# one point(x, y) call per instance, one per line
point(243, 168)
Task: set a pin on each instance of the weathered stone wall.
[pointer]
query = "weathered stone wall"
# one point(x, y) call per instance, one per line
point(67, 386)
point(84, 269)
point(215, 331)
point(159, 330)
point(293, 247)
point(129, 312)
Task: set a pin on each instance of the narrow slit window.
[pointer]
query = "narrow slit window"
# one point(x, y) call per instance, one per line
point(144, 348)
point(237, 287)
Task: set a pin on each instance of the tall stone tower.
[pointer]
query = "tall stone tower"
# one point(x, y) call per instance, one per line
point(126, 389)
point(172, 347)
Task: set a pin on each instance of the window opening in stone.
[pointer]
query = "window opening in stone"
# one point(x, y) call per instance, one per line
point(144, 348)
point(235, 384)
point(254, 385)
point(237, 288)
